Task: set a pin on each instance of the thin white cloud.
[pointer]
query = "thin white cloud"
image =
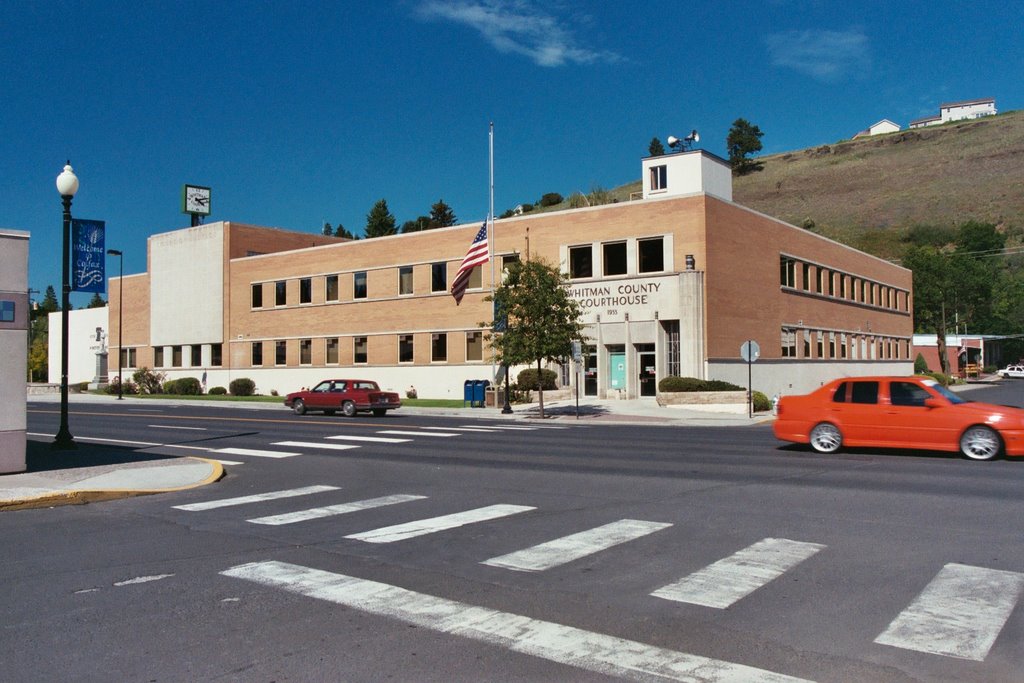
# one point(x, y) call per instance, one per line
point(517, 27)
point(824, 55)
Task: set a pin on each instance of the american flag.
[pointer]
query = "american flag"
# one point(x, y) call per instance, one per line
point(477, 255)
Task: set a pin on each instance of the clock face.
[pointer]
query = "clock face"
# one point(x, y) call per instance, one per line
point(197, 200)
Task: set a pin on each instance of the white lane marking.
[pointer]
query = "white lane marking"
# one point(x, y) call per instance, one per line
point(586, 650)
point(255, 498)
point(194, 429)
point(331, 510)
point(228, 462)
point(397, 432)
point(421, 527)
point(511, 429)
point(369, 439)
point(959, 614)
point(142, 579)
point(737, 576)
point(148, 444)
point(315, 444)
point(256, 453)
point(569, 548)
point(462, 429)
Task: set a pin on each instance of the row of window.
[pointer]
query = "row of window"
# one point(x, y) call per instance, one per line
point(260, 351)
point(650, 258)
point(829, 282)
point(174, 359)
point(332, 292)
point(825, 344)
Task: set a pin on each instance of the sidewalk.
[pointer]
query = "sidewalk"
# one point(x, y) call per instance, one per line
point(95, 472)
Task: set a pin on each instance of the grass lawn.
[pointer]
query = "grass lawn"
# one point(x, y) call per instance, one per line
point(411, 402)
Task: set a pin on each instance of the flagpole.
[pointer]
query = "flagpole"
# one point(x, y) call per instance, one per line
point(490, 211)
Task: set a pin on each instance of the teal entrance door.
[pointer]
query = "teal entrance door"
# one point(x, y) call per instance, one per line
point(617, 371)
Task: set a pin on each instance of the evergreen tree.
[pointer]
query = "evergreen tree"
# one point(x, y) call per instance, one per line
point(421, 223)
point(49, 304)
point(380, 222)
point(341, 231)
point(328, 230)
point(744, 139)
point(656, 149)
point(96, 301)
point(441, 215)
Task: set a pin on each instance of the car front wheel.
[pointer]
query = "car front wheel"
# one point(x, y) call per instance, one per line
point(348, 409)
point(299, 407)
point(980, 443)
point(826, 438)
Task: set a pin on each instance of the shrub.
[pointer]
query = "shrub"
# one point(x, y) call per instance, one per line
point(721, 385)
point(218, 391)
point(185, 386)
point(944, 380)
point(673, 383)
point(527, 379)
point(243, 386)
point(147, 381)
point(550, 199)
point(82, 386)
point(761, 402)
point(128, 387)
point(920, 365)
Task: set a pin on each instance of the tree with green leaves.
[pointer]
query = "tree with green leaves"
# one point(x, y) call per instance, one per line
point(96, 301)
point(538, 321)
point(49, 303)
point(328, 231)
point(420, 224)
point(656, 149)
point(442, 215)
point(380, 222)
point(744, 139)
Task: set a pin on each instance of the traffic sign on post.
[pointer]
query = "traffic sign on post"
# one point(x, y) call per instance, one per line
point(750, 352)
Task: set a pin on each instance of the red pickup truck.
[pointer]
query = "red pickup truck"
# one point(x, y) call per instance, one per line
point(350, 396)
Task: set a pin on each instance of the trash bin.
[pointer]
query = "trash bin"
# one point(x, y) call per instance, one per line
point(479, 390)
point(467, 392)
point(489, 397)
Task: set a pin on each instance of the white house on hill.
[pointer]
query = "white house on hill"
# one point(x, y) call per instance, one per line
point(958, 111)
point(883, 126)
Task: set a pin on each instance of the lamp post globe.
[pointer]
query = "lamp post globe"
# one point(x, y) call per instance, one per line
point(67, 186)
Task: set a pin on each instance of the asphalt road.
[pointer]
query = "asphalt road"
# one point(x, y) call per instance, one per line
point(550, 552)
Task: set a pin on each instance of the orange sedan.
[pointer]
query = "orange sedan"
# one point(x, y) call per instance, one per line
point(899, 412)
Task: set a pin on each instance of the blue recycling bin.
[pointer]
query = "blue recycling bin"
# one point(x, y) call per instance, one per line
point(467, 392)
point(479, 391)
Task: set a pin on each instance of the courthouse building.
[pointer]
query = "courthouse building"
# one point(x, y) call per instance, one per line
point(670, 283)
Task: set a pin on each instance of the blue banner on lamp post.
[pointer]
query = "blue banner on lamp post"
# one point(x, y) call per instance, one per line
point(88, 261)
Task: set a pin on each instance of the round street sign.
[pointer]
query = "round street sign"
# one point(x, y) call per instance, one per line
point(750, 351)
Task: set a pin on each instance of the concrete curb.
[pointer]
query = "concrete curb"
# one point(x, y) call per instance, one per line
point(83, 496)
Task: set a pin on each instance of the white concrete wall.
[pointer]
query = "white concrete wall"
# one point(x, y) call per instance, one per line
point(785, 378)
point(14, 342)
point(689, 173)
point(82, 344)
point(187, 286)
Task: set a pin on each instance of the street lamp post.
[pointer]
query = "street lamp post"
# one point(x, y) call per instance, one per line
point(120, 317)
point(67, 185)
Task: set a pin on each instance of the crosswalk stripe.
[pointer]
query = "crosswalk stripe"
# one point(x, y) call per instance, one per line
point(332, 510)
point(421, 527)
point(255, 453)
point(959, 614)
point(587, 650)
point(256, 498)
point(737, 576)
point(569, 548)
point(222, 461)
point(503, 428)
point(369, 439)
point(316, 444)
point(398, 432)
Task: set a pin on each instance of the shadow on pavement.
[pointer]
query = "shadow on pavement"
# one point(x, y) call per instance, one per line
point(40, 457)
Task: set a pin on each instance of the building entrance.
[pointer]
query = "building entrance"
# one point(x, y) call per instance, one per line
point(648, 371)
point(590, 371)
point(617, 368)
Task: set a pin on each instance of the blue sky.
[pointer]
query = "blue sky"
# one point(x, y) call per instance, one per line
point(297, 113)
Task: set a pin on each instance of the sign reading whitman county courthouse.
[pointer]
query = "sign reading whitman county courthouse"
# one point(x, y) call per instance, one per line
point(641, 298)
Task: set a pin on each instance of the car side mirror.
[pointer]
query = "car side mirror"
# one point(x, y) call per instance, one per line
point(933, 403)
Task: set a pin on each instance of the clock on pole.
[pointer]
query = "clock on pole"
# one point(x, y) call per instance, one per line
point(195, 200)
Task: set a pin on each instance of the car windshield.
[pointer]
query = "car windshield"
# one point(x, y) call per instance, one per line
point(946, 393)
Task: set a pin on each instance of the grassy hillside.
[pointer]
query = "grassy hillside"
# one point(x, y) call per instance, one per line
point(868, 192)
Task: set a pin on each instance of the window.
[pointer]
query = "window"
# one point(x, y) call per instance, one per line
point(257, 296)
point(280, 352)
point(788, 343)
point(818, 280)
point(305, 352)
point(581, 261)
point(359, 285)
point(476, 278)
point(672, 359)
point(821, 344)
point(842, 345)
point(842, 286)
point(659, 178)
point(474, 346)
point(438, 277)
point(359, 354)
point(807, 343)
point(280, 291)
point(439, 348)
point(787, 272)
point(331, 288)
point(805, 282)
point(216, 355)
point(176, 356)
point(650, 255)
point(856, 392)
point(405, 348)
point(831, 344)
point(831, 283)
point(614, 258)
point(405, 280)
point(257, 354)
point(332, 351)
point(197, 356)
point(305, 290)
point(158, 356)
point(128, 358)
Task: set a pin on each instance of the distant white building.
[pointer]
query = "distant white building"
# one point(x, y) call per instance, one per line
point(87, 337)
point(883, 126)
point(958, 111)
